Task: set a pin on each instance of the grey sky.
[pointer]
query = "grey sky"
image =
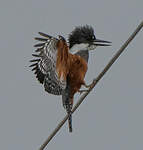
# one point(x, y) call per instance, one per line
point(111, 117)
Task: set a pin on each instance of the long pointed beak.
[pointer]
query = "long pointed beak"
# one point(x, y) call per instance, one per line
point(98, 42)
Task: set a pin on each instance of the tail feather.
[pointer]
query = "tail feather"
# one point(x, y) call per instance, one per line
point(70, 123)
point(67, 104)
point(70, 119)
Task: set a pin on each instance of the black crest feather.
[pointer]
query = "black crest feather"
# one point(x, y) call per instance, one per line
point(81, 34)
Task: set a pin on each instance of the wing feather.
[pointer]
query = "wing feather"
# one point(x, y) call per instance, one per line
point(45, 67)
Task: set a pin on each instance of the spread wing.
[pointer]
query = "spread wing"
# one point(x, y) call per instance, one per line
point(44, 64)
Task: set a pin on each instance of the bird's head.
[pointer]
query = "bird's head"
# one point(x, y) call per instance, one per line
point(83, 38)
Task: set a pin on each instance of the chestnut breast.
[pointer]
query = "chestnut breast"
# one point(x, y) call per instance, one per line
point(78, 69)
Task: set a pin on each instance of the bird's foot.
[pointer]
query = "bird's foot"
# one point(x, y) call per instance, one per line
point(87, 86)
point(90, 85)
point(82, 91)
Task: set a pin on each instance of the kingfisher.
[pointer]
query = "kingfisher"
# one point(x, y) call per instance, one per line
point(61, 65)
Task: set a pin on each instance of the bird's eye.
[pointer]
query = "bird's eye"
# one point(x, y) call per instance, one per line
point(93, 37)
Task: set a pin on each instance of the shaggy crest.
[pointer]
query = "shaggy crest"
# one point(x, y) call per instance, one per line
point(81, 34)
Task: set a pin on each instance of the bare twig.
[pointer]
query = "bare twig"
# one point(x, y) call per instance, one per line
point(94, 83)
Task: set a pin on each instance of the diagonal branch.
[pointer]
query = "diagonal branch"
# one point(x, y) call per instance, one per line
point(114, 58)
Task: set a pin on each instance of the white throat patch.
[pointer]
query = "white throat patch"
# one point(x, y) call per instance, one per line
point(79, 47)
point(82, 47)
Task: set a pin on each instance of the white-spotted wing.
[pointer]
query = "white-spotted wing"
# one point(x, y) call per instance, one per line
point(44, 66)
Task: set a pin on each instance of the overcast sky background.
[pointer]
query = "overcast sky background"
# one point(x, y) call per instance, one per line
point(111, 117)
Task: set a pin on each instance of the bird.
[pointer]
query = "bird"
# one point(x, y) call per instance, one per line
point(61, 65)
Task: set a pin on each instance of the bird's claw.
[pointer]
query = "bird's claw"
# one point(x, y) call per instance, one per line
point(81, 91)
point(93, 82)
